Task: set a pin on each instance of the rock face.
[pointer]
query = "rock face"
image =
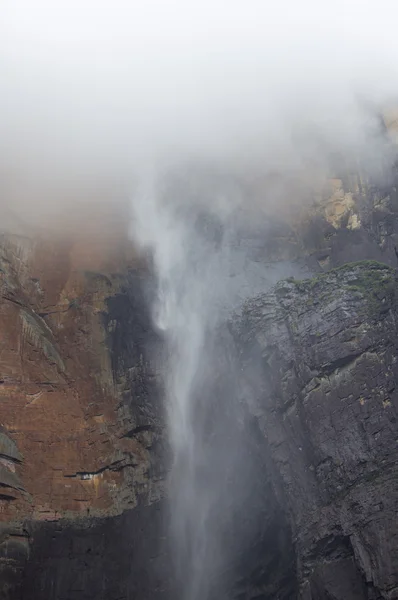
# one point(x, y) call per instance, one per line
point(80, 424)
point(320, 364)
point(83, 456)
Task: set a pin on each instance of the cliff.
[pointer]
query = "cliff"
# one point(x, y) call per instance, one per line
point(320, 369)
point(82, 446)
point(79, 424)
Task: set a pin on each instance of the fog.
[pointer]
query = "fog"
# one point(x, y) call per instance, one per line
point(178, 105)
point(99, 85)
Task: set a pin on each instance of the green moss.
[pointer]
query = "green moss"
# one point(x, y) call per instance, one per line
point(372, 280)
point(378, 289)
point(369, 264)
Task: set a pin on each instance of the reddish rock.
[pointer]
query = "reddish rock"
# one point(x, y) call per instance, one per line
point(61, 445)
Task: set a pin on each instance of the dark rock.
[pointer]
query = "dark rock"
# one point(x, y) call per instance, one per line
point(121, 557)
point(320, 369)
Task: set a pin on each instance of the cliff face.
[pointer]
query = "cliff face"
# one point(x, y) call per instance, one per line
point(79, 420)
point(83, 456)
point(319, 361)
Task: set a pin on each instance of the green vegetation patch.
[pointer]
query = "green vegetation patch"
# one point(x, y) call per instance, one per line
point(372, 280)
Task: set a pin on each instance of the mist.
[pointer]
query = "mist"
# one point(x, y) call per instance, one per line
point(92, 88)
point(177, 106)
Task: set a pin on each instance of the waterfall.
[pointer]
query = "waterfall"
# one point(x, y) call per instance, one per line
point(181, 226)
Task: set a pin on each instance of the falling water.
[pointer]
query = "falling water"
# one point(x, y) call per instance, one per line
point(181, 226)
point(189, 221)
